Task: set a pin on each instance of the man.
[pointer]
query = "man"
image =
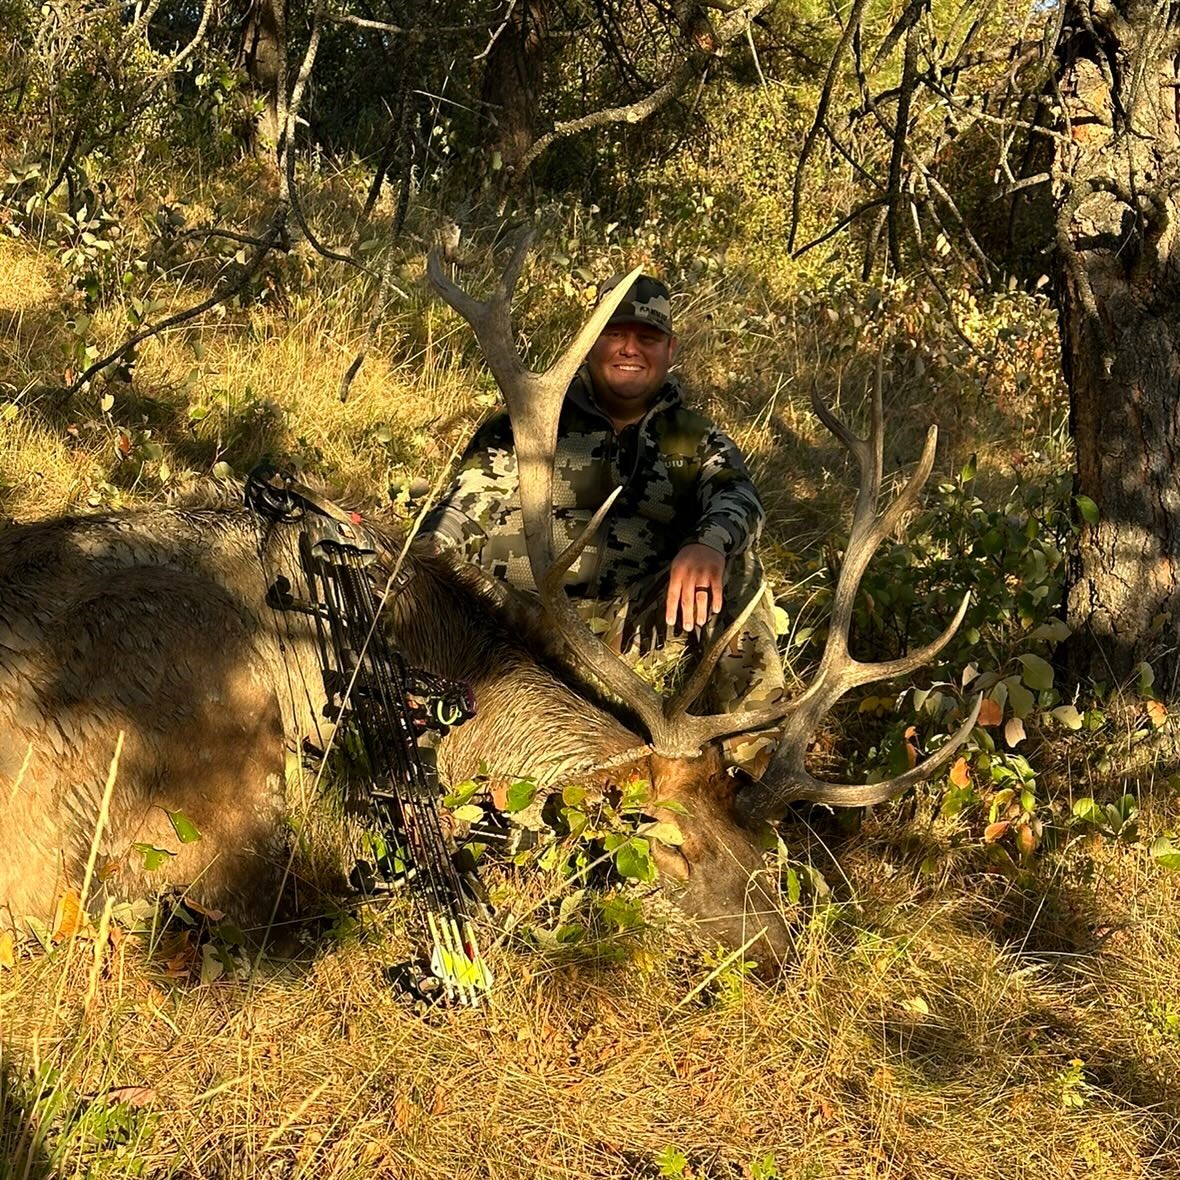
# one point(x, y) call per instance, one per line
point(676, 547)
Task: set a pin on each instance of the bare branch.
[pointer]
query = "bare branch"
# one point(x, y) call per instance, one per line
point(265, 245)
point(732, 27)
point(825, 99)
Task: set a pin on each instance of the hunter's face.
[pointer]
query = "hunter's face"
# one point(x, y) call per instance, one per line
point(628, 365)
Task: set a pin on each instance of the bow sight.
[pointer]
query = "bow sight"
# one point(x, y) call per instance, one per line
point(337, 574)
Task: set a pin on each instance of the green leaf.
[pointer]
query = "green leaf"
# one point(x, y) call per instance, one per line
point(1068, 716)
point(664, 831)
point(462, 793)
point(1146, 676)
point(794, 889)
point(1054, 630)
point(671, 1162)
point(636, 795)
point(576, 820)
point(1038, 673)
point(186, 831)
point(1087, 508)
point(1165, 853)
point(967, 473)
point(765, 1168)
point(153, 857)
point(1087, 810)
point(624, 913)
point(520, 795)
point(633, 860)
point(1020, 699)
point(468, 813)
point(672, 805)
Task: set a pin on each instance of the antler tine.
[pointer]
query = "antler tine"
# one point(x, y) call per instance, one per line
point(678, 705)
point(612, 671)
point(783, 784)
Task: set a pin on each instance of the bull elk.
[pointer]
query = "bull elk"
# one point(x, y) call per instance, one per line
point(152, 624)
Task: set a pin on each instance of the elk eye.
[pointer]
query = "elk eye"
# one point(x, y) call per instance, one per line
point(669, 861)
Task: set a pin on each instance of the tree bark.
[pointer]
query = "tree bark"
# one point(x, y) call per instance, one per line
point(1119, 263)
point(263, 56)
point(513, 77)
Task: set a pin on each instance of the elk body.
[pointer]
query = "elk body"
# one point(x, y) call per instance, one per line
point(153, 625)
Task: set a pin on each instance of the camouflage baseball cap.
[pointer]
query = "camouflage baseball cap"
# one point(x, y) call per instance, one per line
point(647, 302)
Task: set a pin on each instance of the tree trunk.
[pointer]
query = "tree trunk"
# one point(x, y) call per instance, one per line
point(512, 82)
point(1120, 314)
point(263, 56)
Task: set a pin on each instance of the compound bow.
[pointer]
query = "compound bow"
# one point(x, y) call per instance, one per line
point(333, 563)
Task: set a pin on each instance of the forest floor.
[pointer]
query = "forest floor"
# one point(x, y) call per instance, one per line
point(940, 1016)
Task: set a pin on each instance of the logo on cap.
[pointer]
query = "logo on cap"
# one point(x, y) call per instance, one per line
point(648, 301)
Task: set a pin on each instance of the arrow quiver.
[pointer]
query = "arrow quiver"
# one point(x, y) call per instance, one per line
point(336, 574)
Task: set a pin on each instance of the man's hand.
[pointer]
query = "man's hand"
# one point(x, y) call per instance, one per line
point(694, 586)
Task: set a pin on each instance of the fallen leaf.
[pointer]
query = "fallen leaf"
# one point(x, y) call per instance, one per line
point(131, 1095)
point(990, 713)
point(1026, 840)
point(917, 1005)
point(1157, 713)
point(403, 1112)
point(1014, 732)
point(197, 908)
point(994, 831)
point(69, 919)
point(7, 950)
point(960, 774)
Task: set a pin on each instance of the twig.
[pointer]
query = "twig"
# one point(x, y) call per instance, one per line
point(821, 114)
point(901, 130)
point(847, 219)
point(731, 28)
point(265, 245)
point(496, 35)
point(379, 303)
point(421, 32)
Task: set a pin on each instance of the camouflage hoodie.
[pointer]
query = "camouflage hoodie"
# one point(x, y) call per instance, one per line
point(683, 480)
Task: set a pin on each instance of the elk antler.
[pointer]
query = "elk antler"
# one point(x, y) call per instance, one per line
point(786, 778)
point(534, 403)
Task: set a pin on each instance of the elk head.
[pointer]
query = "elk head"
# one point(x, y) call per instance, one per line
point(715, 873)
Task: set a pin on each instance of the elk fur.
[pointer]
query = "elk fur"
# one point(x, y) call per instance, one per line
point(153, 624)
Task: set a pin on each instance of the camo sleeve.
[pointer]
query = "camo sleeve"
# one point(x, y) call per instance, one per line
point(482, 494)
point(731, 512)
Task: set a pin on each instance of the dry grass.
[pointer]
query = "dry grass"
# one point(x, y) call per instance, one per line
point(929, 1025)
point(920, 1032)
